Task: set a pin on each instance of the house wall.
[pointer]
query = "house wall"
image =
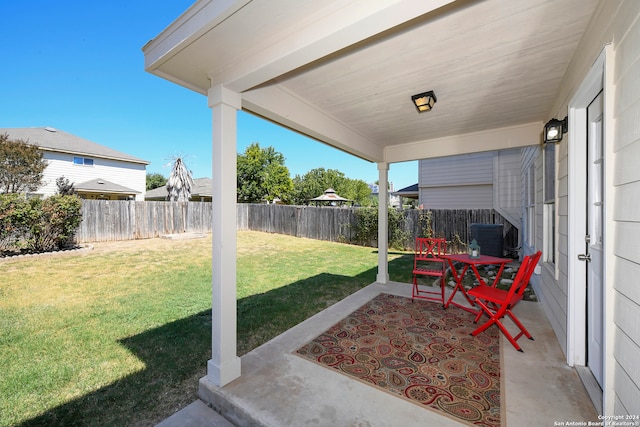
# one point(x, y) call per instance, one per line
point(616, 22)
point(470, 187)
point(130, 175)
point(487, 180)
point(507, 185)
point(626, 211)
point(552, 293)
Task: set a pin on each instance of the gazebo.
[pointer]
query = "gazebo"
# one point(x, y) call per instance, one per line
point(330, 197)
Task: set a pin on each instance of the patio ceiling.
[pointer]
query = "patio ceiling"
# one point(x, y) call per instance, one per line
point(343, 72)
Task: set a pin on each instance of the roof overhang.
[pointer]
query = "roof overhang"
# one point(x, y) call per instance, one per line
point(344, 72)
point(103, 186)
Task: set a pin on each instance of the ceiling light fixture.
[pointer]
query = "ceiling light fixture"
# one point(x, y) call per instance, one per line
point(424, 101)
point(554, 129)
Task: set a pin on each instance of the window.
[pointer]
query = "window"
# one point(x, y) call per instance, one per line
point(549, 212)
point(82, 161)
point(529, 205)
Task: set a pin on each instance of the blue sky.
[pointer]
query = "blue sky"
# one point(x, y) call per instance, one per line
point(78, 66)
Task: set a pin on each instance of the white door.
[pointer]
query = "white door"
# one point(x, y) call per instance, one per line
point(594, 239)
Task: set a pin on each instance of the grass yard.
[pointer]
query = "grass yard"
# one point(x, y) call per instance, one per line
point(120, 335)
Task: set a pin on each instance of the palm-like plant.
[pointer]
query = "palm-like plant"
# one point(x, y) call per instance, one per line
point(180, 182)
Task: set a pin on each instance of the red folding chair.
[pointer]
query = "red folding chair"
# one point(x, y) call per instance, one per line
point(427, 262)
point(497, 303)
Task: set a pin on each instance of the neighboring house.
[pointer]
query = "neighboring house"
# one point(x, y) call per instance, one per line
point(96, 171)
point(345, 73)
point(487, 180)
point(410, 192)
point(202, 191)
point(394, 200)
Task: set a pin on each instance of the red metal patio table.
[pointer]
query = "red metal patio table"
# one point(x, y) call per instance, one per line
point(473, 263)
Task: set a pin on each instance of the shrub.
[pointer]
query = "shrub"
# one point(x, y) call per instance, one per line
point(398, 236)
point(15, 217)
point(60, 216)
point(37, 225)
point(367, 228)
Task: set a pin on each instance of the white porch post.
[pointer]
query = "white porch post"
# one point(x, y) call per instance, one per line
point(224, 365)
point(383, 223)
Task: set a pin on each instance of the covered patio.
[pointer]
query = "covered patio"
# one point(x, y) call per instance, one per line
point(344, 73)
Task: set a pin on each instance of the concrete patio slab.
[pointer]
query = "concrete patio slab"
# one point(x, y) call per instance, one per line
point(278, 388)
point(197, 414)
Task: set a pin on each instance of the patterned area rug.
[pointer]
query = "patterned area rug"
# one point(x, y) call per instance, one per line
point(420, 352)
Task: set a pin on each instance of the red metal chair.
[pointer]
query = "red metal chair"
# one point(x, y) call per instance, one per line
point(497, 303)
point(427, 262)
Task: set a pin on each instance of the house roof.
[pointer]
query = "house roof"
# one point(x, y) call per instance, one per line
point(51, 139)
point(410, 192)
point(100, 185)
point(344, 72)
point(202, 187)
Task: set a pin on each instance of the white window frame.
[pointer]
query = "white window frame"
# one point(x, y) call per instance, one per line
point(550, 239)
point(82, 161)
point(530, 206)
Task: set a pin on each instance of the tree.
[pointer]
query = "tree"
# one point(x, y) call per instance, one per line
point(21, 166)
point(316, 181)
point(262, 176)
point(180, 182)
point(155, 180)
point(65, 188)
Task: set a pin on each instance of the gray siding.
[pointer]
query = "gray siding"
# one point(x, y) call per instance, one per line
point(457, 197)
point(626, 183)
point(551, 292)
point(506, 185)
point(470, 181)
point(464, 169)
point(617, 22)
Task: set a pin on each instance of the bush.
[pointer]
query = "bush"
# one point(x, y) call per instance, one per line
point(36, 225)
point(367, 228)
point(15, 217)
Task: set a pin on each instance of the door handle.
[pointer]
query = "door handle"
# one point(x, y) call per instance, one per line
point(585, 257)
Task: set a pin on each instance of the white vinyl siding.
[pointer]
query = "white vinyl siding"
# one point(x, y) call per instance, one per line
point(127, 174)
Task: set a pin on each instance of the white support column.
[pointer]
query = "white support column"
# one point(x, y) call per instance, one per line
point(383, 223)
point(224, 365)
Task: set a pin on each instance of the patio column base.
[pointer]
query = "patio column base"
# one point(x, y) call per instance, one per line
point(382, 278)
point(224, 374)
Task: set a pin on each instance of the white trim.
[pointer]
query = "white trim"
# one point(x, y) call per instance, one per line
point(224, 365)
point(383, 221)
point(594, 82)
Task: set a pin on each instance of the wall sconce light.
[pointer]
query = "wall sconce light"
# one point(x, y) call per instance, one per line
point(554, 129)
point(424, 101)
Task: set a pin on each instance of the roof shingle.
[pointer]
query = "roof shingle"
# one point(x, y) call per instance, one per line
point(51, 139)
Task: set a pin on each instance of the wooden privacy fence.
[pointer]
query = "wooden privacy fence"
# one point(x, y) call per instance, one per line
point(340, 224)
point(320, 223)
point(110, 220)
point(455, 224)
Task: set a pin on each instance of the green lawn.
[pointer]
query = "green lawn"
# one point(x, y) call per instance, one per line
point(121, 334)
